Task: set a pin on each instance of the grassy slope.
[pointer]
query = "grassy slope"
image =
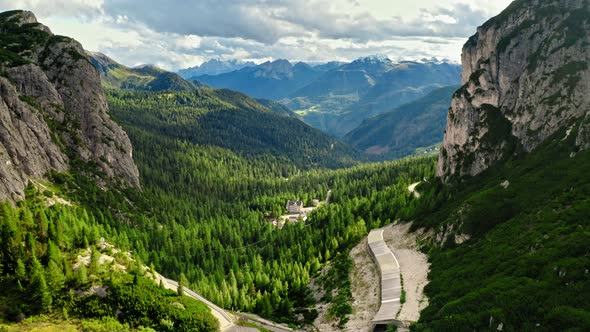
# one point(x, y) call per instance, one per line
point(147, 78)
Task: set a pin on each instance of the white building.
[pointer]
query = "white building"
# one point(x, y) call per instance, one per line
point(294, 206)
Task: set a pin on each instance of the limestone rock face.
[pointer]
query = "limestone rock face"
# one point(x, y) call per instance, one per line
point(26, 146)
point(526, 76)
point(53, 110)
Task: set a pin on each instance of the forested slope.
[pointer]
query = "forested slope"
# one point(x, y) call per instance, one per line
point(525, 258)
point(54, 262)
point(401, 131)
point(230, 120)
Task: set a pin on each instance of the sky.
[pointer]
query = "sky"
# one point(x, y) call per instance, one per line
point(175, 34)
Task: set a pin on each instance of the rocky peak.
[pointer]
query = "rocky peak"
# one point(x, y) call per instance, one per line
point(53, 109)
point(374, 65)
point(302, 66)
point(101, 61)
point(525, 77)
point(376, 58)
point(215, 67)
point(277, 70)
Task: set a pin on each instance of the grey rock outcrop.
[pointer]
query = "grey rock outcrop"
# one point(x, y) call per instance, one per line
point(53, 111)
point(26, 146)
point(526, 76)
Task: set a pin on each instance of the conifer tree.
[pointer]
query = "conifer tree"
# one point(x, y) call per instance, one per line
point(55, 278)
point(20, 273)
point(40, 295)
point(82, 275)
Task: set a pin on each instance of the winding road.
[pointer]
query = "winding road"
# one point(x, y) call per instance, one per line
point(391, 287)
point(225, 320)
point(412, 189)
point(271, 326)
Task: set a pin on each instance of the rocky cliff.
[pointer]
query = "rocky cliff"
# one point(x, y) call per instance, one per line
point(53, 111)
point(526, 76)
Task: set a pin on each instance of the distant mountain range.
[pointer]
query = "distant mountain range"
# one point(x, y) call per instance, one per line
point(215, 67)
point(384, 109)
point(270, 80)
point(336, 97)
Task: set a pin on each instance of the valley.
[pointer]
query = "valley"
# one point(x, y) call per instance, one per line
point(432, 196)
point(338, 98)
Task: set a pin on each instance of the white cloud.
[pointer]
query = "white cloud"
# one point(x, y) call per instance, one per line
point(189, 42)
point(58, 8)
point(175, 33)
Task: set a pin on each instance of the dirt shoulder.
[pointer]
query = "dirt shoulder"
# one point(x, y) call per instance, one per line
point(414, 268)
point(365, 289)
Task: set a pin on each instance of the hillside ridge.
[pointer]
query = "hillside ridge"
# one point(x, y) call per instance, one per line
point(142, 78)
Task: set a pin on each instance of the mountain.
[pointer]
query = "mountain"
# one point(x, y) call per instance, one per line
point(341, 99)
point(400, 132)
point(347, 82)
point(372, 65)
point(407, 81)
point(270, 80)
point(325, 67)
point(354, 78)
point(215, 67)
point(509, 206)
point(525, 76)
point(54, 111)
point(336, 97)
point(56, 131)
point(507, 241)
point(142, 78)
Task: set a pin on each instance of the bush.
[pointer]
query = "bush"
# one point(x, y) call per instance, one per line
point(105, 324)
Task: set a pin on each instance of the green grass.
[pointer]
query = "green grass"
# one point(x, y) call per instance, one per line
point(402, 298)
point(32, 101)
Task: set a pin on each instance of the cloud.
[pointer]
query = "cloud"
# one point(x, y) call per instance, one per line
point(268, 21)
point(61, 8)
point(466, 19)
point(249, 19)
point(180, 33)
